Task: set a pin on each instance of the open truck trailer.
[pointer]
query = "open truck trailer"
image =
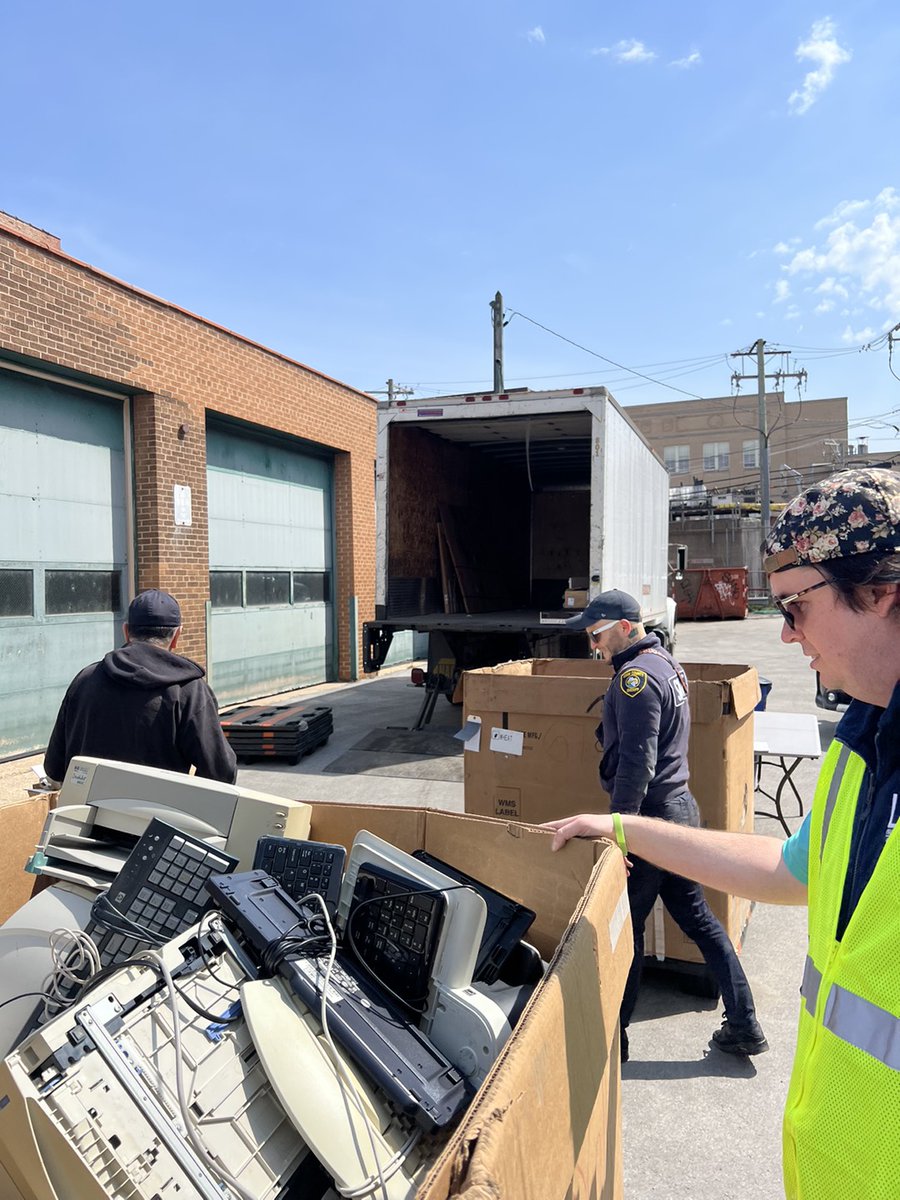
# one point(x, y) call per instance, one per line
point(499, 515)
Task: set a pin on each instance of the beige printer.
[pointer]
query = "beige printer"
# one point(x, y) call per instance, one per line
point(104, 806)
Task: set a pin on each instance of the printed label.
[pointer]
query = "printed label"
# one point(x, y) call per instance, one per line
point(507, 741)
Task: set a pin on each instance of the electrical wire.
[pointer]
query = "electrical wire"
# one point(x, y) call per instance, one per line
point(619, 366)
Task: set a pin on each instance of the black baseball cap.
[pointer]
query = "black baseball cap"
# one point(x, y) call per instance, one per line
point(609, 606)
point(154, 609)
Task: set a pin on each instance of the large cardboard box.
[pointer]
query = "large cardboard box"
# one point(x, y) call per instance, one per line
point(21, 822)
point(547, 1121)
point(536, 756)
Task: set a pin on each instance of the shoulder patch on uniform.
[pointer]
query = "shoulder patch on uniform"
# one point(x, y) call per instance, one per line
point(633, 681)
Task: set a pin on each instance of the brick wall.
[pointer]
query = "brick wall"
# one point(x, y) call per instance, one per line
point(62, 313)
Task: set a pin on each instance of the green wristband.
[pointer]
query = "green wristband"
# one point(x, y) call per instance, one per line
point(620, 833)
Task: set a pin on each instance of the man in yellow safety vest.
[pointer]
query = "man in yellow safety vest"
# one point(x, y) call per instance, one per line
point(833, 560)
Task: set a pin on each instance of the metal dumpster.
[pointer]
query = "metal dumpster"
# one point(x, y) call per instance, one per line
point(711, 593)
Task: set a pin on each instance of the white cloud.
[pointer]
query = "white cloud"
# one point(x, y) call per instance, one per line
point(628, 51)
point(536, 35)
point(782, 290)
point(792, 313)
point(858, 261)
point(823, 49)
point(694, 59)
point(726, 321)
point(846, 208)
point(857, 335)
point(825, 306)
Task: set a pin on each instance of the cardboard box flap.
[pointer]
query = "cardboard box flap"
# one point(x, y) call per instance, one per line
point(340, 823)
point(516, 860)
point(721, 689)
point(545, 1087)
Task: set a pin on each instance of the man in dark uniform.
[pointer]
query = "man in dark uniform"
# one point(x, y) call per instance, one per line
point(143, 703)
point(644, 735)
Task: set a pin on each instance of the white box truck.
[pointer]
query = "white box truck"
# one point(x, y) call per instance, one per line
point(499, 515)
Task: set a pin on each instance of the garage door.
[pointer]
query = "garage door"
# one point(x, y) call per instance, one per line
point(271, 559)
point(62, 547)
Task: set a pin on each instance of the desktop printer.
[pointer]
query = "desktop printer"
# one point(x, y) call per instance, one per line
point(104, 806)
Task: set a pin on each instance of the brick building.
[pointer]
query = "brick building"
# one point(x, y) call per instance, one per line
point(142, 446)
point(715, 441)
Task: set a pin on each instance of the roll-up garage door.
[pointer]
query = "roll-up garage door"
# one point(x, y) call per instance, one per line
point(271, 559)
point(62, 547)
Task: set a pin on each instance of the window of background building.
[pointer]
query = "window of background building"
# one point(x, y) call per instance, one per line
point(677, 459)
point(715, 456)
point(751, 454)
point(81, 592)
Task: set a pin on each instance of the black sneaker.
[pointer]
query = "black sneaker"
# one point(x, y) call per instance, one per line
point(735, 1039)
point(623, 1045)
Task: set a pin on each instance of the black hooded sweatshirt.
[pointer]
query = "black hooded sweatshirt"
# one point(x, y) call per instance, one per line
point(142, 704)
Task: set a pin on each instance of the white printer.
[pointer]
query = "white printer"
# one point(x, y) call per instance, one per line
point(104, 806)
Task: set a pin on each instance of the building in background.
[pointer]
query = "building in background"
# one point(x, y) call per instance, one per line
point(711, 448)
point(143, 446)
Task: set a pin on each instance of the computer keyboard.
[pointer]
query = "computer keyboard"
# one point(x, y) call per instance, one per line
point(372, 1028)
point(506, 923)
point(303, 867)
point(160, 892)
point(393, 928)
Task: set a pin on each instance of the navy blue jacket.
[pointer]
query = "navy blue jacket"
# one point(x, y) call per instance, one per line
point(874, 734)
point(645, 730)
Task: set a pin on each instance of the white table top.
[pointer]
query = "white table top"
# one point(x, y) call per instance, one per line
point(792, 735)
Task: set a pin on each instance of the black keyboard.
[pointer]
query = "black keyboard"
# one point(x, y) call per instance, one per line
point(161, 890)
point(393, 926)
point(506, 924)
point(303, 867)
point(414, 1076)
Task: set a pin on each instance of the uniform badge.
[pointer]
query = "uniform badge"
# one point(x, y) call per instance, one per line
point(633, 681)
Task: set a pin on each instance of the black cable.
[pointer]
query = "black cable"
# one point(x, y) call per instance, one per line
point(612, 362)
point(22, 996)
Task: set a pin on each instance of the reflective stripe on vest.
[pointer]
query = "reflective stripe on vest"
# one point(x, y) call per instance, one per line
point(809, 988)
point(864, 1025)
point(836, 780)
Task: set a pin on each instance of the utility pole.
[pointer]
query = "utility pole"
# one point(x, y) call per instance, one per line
point(758, 351)
point(392, 390)
point(497, 322)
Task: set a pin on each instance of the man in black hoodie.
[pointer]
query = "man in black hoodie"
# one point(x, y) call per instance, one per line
point(144, 703)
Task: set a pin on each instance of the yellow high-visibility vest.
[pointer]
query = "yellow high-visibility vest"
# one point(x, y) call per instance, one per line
point(842, 1117)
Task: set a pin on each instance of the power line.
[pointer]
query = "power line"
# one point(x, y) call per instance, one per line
point(619, 366)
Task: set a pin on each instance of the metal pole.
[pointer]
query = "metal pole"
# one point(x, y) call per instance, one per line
point(353, 606)
point(497, 320)
point(765, 508)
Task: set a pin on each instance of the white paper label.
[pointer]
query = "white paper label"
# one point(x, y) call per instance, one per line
point(618, 918)
point(470, 734)
point(182, 505)
point(507, 741)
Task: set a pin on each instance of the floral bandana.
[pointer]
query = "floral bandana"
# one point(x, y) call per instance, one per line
point(853, 512)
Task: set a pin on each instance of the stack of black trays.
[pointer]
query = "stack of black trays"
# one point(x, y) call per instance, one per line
point(277, 730)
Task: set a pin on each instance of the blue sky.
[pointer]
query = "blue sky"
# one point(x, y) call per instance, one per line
point(351, 183)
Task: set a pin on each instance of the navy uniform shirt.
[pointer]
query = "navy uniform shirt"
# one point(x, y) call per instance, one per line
point(645, 730)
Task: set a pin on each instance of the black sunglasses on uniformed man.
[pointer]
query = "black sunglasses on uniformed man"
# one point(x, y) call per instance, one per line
point(782, 602)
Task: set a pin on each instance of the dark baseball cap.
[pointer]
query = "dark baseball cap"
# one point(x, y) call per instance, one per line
point(154, 609)
point(852, 512)
point(609, 606)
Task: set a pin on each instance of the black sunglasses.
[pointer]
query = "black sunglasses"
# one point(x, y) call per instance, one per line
point(782, 602)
